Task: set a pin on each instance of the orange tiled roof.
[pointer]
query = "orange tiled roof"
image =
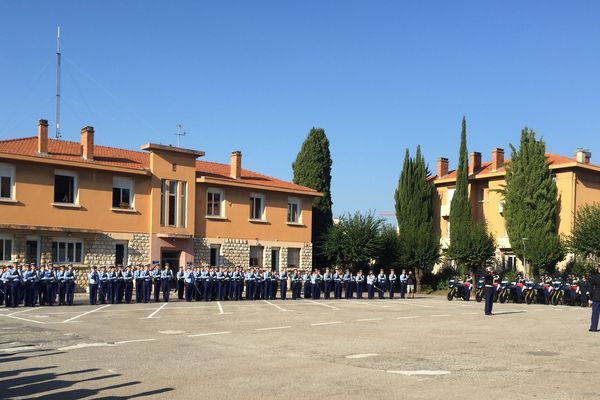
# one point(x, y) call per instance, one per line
point(116, 157)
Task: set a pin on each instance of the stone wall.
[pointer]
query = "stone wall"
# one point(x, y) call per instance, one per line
point(201, 251)
point(235, 253)
point(306, 257)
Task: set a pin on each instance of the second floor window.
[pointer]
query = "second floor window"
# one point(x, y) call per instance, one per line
point(172, 215)
point(122, 192)
point(7, 181)
point(257, 207)
point(65, 187)
point(214, 199)
point(294, 210)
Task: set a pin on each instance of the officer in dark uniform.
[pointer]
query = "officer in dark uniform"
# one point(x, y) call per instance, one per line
point(103, 286)
point(128, 277)
point(139, 283)
point(594, 299)
point(380, 284)
point(120, 284)
point(392, 279)
point(327, 280)
point(147, 283)
point(180, 283)
point(112, 285)
point(3, 284)
point(156, 279)
point(52, 285)
point(283, 283)
point(337, 284)
point(62, 288)
point(166, 278)
point(28, 280)
point(69, 277)
point(348, 284)
point(93, 281)
point(488, 290)
point(307, 282)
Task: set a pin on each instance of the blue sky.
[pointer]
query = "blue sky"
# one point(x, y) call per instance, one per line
point(255, 76)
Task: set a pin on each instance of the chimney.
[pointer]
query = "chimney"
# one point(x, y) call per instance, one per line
point(43, 136)
point(87, 143)
point(442, 167)
point(583, 156)
point(497, 158)
point(474, 162)
point(235, 170)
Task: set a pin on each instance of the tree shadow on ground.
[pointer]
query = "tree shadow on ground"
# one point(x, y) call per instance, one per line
point(47, 383)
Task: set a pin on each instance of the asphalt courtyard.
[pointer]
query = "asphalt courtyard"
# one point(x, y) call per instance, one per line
point(426, 348)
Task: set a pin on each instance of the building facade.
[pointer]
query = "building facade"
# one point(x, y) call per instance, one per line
point(577, 181)
point(76, 202)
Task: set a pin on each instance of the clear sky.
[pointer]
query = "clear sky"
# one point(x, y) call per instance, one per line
point(255, 76)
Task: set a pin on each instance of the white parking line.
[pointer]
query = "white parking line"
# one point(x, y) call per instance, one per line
point(209, 334)
point(469, 313)
point(273, 328)
point(440, 315)
point(322, 304)
point(355, 356)
point(409, 317)
point(156, 311)
point(411, 303)
point(19, 348)
point(134, 341)
point(326, 323)
point(372, 305)
point(275, 305)
point(220, 307)
point(23, 319)
point(24, 311)
point(368, 319)
point(86, 313)
point(420, 372)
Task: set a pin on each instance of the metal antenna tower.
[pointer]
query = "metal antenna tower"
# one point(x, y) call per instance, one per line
point(180, 133)
point(58, 135)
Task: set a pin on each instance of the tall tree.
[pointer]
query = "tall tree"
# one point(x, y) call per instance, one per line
point(312, 169)
point(585, 239)
point(419, 246)
point(530, 204)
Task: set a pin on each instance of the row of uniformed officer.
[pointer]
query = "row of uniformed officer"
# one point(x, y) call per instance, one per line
point(31, 285)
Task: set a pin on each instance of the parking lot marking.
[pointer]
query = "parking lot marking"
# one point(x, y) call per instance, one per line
point(19, 348)
point(273, 328)
point(85, 345)
point(409, 317)
point(469, 313)
point(134, 341)
point(419, 372)
point(326, 323)
point(368, 319)
point(353, 356)
point(440, 315)
point(156, 311)
point(275, 305)
point(23, 311)
point(220, 307)
point(372, 305)
point(86, 313)
point(23, 319)
point(322, 304)
point(209, 334)
point(411, 303)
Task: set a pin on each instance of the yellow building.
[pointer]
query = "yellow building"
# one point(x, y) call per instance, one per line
point(76, 202)
point(577, 180)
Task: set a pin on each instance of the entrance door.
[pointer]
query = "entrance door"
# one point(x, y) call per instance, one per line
point(172, 258)
point(119, 254)
point(31, 252)
point(274, 259)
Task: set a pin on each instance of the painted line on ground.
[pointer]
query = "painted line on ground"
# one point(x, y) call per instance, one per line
point(19, 348)
point(322, 304)
point(369, 319)
point(156, 311)
point(406, 302)
point(134, 341)
point(23, 319)
point(220, 307)
point(409, 317)
point(355, 356)
point(372, 305)
point(469, 313)
point(85, 313)
point(273, 328)
point(441, 315)
point(275, 305)
point(24, 311)
point(326, 323)
point(419, 372)
point(209, 334)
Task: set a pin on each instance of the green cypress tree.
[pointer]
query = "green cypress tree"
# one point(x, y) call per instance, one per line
point(530, 204)
point(419, 247)
point(312, 169)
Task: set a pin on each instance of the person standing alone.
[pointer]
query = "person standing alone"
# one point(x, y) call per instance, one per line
point(594, 299)
point(488, 290)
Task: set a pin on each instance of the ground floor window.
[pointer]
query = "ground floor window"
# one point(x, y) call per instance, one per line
point(67, 251)
point(214, 255)
point(293, 258)
point(5, 249)
point(256, 256)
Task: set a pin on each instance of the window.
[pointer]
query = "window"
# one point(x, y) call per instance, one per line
point(214, 255)
point(163, 185)
point(256, 256)
point(172, 221)
point(65, 187)
point(214, 202)
point(183, 205)
point(480, 195)
point(5, 249)
point(7, 181)
point(293, 258)
point(450, 195)
point(67, 251)
point(122, 192)
point(257, 206)
point(294, 210)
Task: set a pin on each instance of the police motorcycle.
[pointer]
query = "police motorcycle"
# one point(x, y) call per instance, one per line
point(479, 291)
point(529, 291)
point(515, 292)
point(456, 289)
point(557, 294)
point(572, 293)
point(502, 291)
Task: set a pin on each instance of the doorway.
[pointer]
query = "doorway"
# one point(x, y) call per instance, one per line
point(172, 258)
point(274, 259)
point(121, 254)
point(31, 252)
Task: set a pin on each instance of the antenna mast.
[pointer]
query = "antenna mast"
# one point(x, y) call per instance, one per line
point(58, 135)
point(180, 133)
